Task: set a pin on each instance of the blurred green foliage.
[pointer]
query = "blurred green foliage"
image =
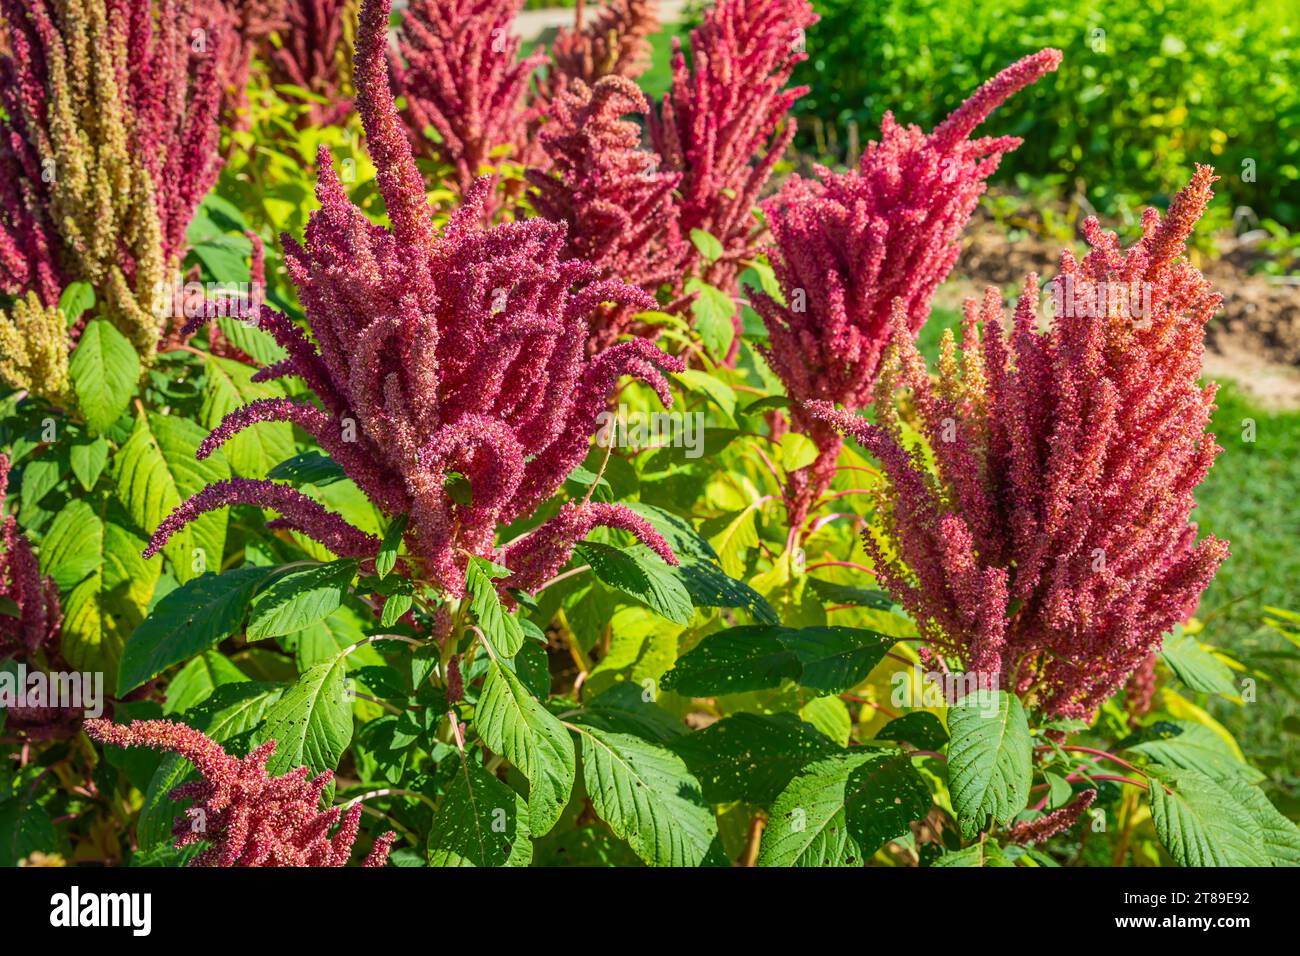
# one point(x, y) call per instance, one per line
point(1145, 89)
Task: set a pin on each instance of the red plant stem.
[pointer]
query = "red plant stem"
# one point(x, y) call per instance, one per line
point(843, 494)
point(821, 521)
point(840, 564)
point(855, 699)
point(927, 753)
point(1096, 753)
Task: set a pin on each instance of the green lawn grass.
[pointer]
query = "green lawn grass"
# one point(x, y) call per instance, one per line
point(1252, 498)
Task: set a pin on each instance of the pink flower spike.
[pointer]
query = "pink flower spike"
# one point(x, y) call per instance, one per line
point(243, 815)
point(299, 511)
point(535, 559)
point(850, 250)
point(1050, 544)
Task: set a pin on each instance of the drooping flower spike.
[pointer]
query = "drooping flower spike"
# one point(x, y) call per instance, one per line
point(39, 617)
point(245, 816)
point(1053, 548)
point(434, 355)
point(846, 246)
point(620, 209)
point(1049, 825)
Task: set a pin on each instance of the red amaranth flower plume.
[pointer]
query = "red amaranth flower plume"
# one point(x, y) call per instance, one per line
point(459, 70)
point(311, 52)
point(249, 23)
point(1049, 825)
point(1055, 547)
point(107, 145)
point(721, 123)
point(619, 209)
point(247, 817)
point(33, 634)
point(613, 43)
point(435, 354)
point(846, 246)
point(36, 625)
point(1140, 691)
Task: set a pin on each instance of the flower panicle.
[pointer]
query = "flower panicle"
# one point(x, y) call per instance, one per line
point(1050, 824)
point(620, 208)
point(724, 125)
point(107, 146)
point(241, 814)
point(313, 54)
point(458, 66)
point(1052, 544)
point(433, 355)
point(615, 42)
point(536, 558)
point(34, 635)
point(849, 249)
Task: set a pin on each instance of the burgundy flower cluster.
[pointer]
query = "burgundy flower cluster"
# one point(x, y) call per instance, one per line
point(613, 43)
point(619, 208)
point(107, 145)
point(1054, 548)
point(435, 356)
point(247, 817)
point(724, 125)
point(311, 52)
point(1050, 824)
point(36, 598)
point(30, 629)
point(458, 67)
point(847, 246)
point(248, 23)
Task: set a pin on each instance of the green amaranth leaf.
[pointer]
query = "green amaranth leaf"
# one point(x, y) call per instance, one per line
point(515, 724)
point(88, 459)
point(481, 822)
point(189, 620)
point(648, 798)
point(758, 657)
point(108, 605)
point(104, 370)
point(989, 759)
point(155, 471)
point(921, 729)
point(746, 658)
point(499, 625)
point(1281, 836)
point(387, 556)
point(228, 386)
point(1192, 746)
point(833, 593)
point(311, 723)
point(300, 599)
point(73, 546)
point(1196, 667)
point(1201, 824)
point(195, 682)
point(644, 575)
point(841, 809)
point(309, 467)
point(750, 757)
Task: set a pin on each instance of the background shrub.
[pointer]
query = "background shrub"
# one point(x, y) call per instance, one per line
point(1145, 90)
